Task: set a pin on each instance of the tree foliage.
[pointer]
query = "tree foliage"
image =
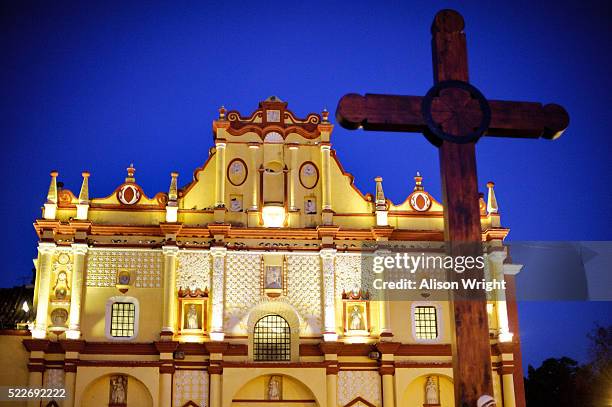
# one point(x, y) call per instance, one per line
point(563, 382)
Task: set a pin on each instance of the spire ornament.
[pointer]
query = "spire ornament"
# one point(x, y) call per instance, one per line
point(173, 192)
point(130, 173)
point(381, 204)
point(418, 182)
point(52, 192)
point(172, 205)
point(51, 203)
point(83, 204)
point(491, 199)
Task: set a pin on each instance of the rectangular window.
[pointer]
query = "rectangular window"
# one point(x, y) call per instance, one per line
point(122, 319)
point(425, 322)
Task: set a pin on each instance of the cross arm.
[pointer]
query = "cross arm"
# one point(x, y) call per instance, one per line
point(527, 120)
point(404, 114)
point(381, 112)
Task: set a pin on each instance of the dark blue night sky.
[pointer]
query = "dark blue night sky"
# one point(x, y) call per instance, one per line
point(99, 85)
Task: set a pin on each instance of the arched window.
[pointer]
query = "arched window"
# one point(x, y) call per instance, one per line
point(425, 322)
point(272, 339)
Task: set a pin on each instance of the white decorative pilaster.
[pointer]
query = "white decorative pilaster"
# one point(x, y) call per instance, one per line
point(218, 292)
point(220, 181)
point(79, 251)
point(496, 267)
point(45, 259)
point(328, 270)
point(169, 277)
point(326, 176)
point(293, 176)
point(254, 173)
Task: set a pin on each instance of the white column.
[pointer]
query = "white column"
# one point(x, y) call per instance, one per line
point(70, 385)
point(496, 267)
point(332, 389)
point(293, 176)
point(508, 390)
point(35, 379)
point(218, 292)
point(254, 173)
point(79, 251)
point(329, 306)
point(169, 310)
point(326, 176)
point(388, 390)
point(220, 182)
point(45, 259)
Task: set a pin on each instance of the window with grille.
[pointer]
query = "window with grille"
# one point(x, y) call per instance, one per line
point(272, 339)
point(122, 319)
point(425, 322)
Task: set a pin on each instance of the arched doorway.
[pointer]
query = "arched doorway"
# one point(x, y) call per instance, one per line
point(286, 390)
point(97, 393)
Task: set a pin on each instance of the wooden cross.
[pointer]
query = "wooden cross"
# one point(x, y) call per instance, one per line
point(453, 115)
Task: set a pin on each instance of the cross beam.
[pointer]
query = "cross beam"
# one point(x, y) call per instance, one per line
point(453, 115)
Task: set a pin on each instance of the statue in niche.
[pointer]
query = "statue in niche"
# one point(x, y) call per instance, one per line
point(356, 319)
point(274, 388)
point(118, 390)
point(61, 286)
point(192, 317)
point(310, 207)
point(431, 391)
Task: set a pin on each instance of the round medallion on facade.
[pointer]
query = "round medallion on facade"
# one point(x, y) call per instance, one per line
point(237, 172)
point(420, 201)
point(309, 175)
point(63, 258)
point(59, 317)
point(129, 194)
point(455, 111)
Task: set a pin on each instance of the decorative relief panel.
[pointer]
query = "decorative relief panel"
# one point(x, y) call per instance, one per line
point(103, 265)
point(242, 289)
point(353, 272)
point(190, 385)
point(61, 275)
point(303, 282)
point(359, 383)
point(193, 270)
point(54, 378)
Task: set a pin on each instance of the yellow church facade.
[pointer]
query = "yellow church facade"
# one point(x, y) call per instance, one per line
point(241, 288)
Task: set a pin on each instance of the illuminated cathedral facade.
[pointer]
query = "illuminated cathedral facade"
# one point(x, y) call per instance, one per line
point(241, 288)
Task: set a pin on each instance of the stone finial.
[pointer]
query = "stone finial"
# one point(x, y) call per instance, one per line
point(222, 112)
point(52, 193)
point(84, 194)
point(325, 115)
point(418, 182)
point(173, 192)
point(130, 173)
point(491, 200)
point(380, 194)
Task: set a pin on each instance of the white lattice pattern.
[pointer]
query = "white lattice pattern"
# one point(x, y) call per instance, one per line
point(242, 289)
point(303, 282)
point(54, 378)
point(359, 383)
point(190, 385)
point(102, 267)
point(193, 270)
point(353, 272)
